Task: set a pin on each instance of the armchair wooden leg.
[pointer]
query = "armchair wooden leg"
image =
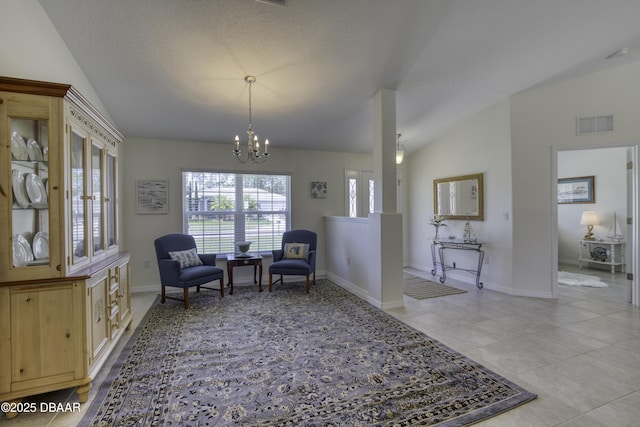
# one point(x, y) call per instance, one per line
point(222, 287)
point(186, 298)
point(198, 288)
point(163, 297)
point(307, 283)
point(270, 281)
point(314, 278)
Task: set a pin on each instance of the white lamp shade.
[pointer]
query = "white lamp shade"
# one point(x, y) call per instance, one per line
point(399, 155)
point(589, 218)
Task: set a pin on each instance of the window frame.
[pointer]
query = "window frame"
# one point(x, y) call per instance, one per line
point(238, 216)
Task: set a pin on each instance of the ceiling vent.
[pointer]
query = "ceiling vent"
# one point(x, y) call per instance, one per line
point(276, 2)
point(596, 124)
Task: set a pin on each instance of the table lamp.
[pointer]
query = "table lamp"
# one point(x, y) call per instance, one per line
point(589, 218)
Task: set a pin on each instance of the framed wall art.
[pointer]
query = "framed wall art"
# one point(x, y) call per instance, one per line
point(318, 189)
point(152, 196)
point(576, 190)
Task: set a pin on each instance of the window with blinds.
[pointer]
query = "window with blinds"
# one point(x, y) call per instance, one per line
point(221, 208)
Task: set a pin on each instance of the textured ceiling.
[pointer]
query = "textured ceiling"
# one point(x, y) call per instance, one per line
point(174, 69)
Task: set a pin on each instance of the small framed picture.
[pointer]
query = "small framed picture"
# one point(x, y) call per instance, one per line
point(318, 189)
point(576, 190)
point(152, 196)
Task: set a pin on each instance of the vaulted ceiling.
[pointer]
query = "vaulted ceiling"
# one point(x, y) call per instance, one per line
point(174, 69)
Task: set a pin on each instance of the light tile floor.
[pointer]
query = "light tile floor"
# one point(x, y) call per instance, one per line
point(579, 353)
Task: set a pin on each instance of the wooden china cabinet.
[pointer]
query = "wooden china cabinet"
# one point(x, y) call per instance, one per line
point(64, 283)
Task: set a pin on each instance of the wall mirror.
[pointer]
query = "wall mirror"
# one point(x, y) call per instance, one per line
point(459, 197)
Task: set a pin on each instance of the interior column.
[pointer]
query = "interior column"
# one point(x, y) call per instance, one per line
point(385, 224)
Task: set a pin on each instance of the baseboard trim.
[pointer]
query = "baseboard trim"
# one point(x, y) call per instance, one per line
point(351, 287)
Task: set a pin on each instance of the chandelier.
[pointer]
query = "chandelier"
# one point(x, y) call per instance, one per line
point(253, 144)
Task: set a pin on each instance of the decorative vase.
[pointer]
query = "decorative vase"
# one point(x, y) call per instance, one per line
point(243, 247)
point(469, 234)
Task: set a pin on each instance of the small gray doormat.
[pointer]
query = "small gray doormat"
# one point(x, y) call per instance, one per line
point(419, 288)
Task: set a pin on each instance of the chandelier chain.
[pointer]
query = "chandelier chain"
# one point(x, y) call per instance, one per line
point(250, 122)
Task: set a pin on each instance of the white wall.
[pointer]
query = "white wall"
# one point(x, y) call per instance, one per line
point(347, 263)
point(31, 48)
point(479, 144)
point(609, 168)
point(543, 120)
point(162, 159)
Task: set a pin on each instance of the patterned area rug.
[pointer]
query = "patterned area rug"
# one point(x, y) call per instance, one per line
point(290, 359)
point(419, 288)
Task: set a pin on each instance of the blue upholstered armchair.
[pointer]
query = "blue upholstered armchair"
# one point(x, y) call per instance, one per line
point(297, 256)
point(182, 267)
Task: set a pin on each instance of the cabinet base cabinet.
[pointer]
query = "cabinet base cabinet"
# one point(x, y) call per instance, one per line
point(58, 334)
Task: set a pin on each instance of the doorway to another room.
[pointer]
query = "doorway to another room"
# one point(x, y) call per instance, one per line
point(595, 243)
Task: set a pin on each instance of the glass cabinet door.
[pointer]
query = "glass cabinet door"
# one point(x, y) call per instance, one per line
point(79, 247)
point(110, 200)
point(93, 196)
point(29, 179)
point(28, 227)
point(96, 199)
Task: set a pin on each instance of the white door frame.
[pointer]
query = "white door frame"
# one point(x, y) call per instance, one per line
point(632, 207)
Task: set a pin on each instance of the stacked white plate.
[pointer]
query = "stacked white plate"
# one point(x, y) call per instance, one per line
point(19, 192)
point(33, 150)
point(18, 147)
point(41, 245)
point(22, 253)
point(35, 189)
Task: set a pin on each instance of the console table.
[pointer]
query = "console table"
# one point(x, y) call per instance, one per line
point(234, 260)
point(614, 255)
point(443, 245)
